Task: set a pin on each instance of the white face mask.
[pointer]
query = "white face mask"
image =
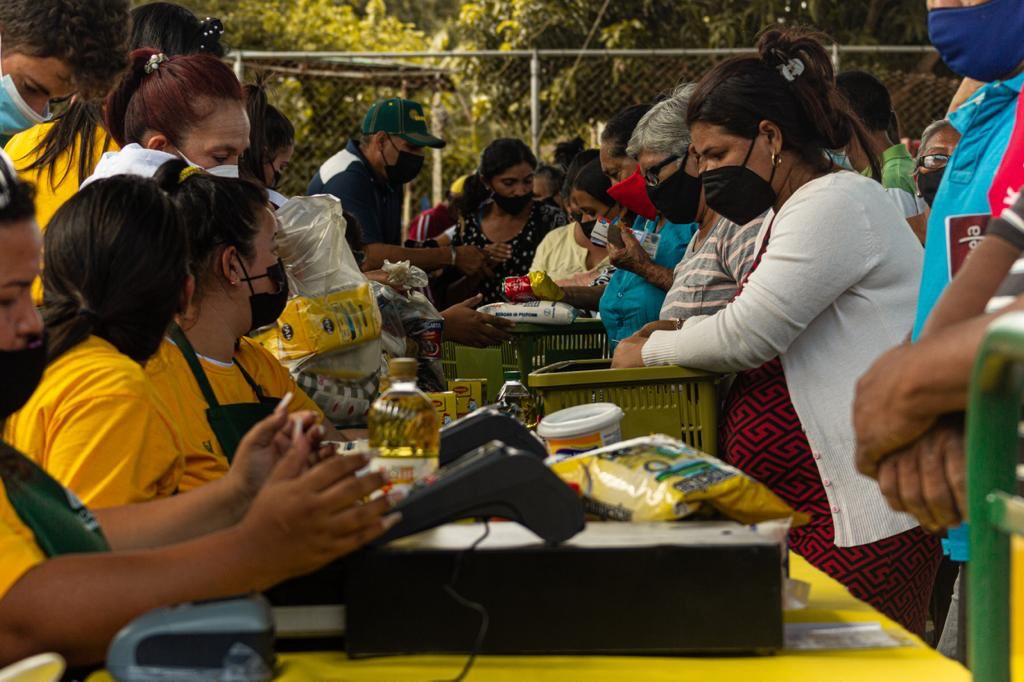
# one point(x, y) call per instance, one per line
point(15, 113)
point(222, 171)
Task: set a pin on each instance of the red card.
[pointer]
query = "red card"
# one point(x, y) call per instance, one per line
point(963, 234)
point(1009, 178)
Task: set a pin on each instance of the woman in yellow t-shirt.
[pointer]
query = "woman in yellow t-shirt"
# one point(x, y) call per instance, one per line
point(215, 381)
point(70, 579)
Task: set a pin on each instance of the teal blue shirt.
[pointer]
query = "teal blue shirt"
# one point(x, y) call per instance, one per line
point(985, 122)
point(630, 301)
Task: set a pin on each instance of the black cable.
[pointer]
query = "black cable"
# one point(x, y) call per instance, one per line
point(471, 605)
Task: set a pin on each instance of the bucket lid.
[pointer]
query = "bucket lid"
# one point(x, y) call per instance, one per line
point(580, 420)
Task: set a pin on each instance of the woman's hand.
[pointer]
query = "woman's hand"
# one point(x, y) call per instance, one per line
point(266, 443)
point(307, 515)
point(659, 326)
point(498, 253)
point(631, 255)
point(629, 353)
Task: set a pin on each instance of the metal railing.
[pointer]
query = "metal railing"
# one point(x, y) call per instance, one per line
point(994, 510)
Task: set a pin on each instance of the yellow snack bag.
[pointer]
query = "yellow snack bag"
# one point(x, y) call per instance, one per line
point(544, 288)
point(317, 326)
point(657, 478)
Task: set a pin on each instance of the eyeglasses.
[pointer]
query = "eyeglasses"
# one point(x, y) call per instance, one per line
point(651, 177)
point(933, 161)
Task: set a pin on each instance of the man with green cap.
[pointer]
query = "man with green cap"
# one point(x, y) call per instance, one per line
point(369, 175)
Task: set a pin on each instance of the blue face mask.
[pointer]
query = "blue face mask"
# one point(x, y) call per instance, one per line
point(839, 158)
point(981, 42)
point(15, 114)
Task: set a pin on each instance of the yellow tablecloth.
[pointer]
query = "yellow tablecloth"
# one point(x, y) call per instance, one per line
point(830, 603)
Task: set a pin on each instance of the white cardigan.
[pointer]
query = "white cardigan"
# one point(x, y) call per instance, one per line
point(836, 287)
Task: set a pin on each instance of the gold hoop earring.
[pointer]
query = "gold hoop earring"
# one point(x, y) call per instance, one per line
point(776, 160)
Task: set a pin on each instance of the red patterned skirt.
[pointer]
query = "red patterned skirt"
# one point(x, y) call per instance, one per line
point(761, 435)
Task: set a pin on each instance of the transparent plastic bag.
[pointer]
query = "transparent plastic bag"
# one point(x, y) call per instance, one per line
point(411, 326)
point(329, 335)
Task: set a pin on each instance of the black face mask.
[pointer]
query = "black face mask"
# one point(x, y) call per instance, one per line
point(928, 185)
point(22, 371)
point(587, 227)
point(406, 168)
point(738, 193)
point(512, 205)
point(266, 308)
point(677, 197)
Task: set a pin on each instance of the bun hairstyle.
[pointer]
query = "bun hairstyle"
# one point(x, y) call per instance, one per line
point(174, 30)
point(116, 266)
point(216, 212)
point(495, 159)
point(168, 95)
point(792, 84)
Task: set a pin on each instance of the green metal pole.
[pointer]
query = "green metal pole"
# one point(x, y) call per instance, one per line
point(992, 419)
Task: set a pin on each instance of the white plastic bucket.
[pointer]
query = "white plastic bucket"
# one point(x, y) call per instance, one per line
point(581, 428)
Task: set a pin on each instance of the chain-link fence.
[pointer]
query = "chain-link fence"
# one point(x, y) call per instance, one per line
point(539, 96)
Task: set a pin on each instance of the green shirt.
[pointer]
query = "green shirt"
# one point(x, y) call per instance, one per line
point(898, 179)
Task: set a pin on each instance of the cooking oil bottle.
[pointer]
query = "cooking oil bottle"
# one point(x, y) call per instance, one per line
point(515, 400)
point(404, 427)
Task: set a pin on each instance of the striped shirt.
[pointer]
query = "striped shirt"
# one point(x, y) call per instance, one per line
point(708, 276)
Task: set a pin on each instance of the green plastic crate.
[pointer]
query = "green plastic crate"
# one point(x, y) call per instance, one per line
point(532, 346)
point(675, 401)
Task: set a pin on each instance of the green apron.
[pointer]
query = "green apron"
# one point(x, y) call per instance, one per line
point(59, 521)
point(229, 422)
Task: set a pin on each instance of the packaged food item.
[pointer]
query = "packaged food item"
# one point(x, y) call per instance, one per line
point(536, 286)
point(411, 325)
point(329, 335)
point(534, 312)
point(515, 400)
point(581, 428)
point(469, 395)
point(444, 404)
point(657, 478)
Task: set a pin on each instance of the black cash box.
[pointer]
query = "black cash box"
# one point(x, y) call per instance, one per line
point(616, 588)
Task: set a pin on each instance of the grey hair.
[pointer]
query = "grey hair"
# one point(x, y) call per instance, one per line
point(663, 129)
point(933, 128)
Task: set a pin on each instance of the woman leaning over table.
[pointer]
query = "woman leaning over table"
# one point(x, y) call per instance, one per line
point(832, 286)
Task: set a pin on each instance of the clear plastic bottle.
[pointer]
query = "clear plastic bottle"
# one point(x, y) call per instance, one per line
point(404, 427)
point(515, 400)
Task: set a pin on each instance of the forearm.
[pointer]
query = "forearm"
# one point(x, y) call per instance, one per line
point(587, 298)
point(207, 509)
point(657, 275)
point(427, 259)
point(969, 292)
point(938, 373)
point(75, 604)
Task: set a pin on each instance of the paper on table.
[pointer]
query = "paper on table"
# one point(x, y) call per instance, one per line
point(818, 636)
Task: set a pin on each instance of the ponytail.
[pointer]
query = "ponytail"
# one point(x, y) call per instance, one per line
point(216, 212)
point(168, 95)
point(791, 83)
point(116, 266)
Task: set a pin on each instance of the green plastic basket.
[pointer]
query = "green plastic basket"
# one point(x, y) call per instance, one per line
point(671, 400)
point(532, 346)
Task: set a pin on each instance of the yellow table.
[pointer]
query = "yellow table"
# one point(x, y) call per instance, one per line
point(830, 602)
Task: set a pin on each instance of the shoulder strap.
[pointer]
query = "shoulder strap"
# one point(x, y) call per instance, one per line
point(183, 344)
point(249, 380)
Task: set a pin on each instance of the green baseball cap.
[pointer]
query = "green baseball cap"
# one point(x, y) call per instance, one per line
point(401, 117)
